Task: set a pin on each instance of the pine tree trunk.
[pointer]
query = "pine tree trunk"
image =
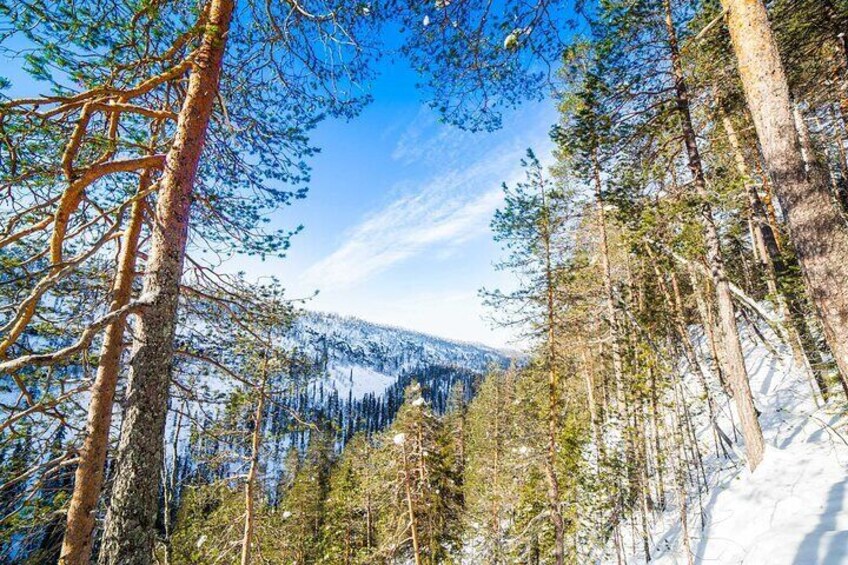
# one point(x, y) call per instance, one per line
point(675, 303)
point(496, 474)
point(593, 412)
point(253, 471)
point(680, 484)
point(808, 155)
point(615, 332)
point(553, 388)
point(88, 481)
point(732, 347)
point(170, 489)
point(130, 522)
point(768, 202)
point(708, 324)
point(407, 483)
point(819, 233)
point(788, 303)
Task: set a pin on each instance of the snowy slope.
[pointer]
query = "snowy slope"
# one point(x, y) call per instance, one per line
point(361, 358)
point(360, 373)
point(793, 509)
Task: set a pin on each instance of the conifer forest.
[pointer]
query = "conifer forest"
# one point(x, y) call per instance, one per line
point(203, 201)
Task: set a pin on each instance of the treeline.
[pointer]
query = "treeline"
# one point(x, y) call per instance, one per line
point(701, 175)
point(355, 508)
point(432, 488)
point(203, 437)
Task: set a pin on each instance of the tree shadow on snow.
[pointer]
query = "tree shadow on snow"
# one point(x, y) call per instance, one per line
point(825, 538)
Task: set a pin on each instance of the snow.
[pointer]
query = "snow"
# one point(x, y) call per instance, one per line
point(793, 509)
point(362, 358)
point(359, 380)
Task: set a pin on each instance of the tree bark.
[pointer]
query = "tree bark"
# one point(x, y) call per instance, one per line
point(553, 392)
point(789, 306)
point(130, 522)
point(88, 480)
point(253, 471)
point(732, 347)
point(818, 232)
point(407, 483)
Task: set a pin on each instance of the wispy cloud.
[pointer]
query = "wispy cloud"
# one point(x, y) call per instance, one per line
point(426, 139)
point(446, 212)
point(435, 216)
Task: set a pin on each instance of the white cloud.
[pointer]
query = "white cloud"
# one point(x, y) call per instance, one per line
point(427, 140)
point(439, 214)
point(446, 212)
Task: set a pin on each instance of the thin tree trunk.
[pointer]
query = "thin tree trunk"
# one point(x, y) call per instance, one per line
point(130, 522)
point(612, 320)
point(768, 202)
point(410, 506)
point(708, 325)
point(88, 480)
point(675, 304)
point(593, 413)
point(680, 481)
point(819, 234)
point(253, 471)
point(642, 474)
point(496, 474)
point(732, 347)
point(171, 488)
point(660, 460)
point(553, 393)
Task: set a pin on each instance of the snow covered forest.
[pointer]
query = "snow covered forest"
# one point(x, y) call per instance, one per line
point(677, 288)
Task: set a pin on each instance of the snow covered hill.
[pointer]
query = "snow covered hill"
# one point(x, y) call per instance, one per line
point(360, 357)
point(358, 374)
point(793, 509)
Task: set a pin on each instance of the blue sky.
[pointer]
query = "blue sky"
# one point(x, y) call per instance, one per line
point(396, 224)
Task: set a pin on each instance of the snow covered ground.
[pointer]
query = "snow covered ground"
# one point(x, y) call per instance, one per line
point(793, 509)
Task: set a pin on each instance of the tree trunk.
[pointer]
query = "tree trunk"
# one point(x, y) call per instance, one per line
point(675, 304)
point(255, 446)
point(553, 393)
point(682, 502)
point(615, 332)
point(818, 231)
point(170, 489)
point(593, 412)
point(732, 347)
point(496, 473)
point(407, 483)
point(88, 480)
point(788, 302)
point(130, 522)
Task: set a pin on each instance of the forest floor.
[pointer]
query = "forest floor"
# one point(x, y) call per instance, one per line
point(793, 509)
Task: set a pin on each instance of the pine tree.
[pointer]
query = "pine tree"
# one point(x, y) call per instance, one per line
point(491, 469)
point(817, 229)
point(420, 516)
point(349, 528)
point(530, 228)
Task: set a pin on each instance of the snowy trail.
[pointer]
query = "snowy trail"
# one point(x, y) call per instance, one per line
point(793, 510)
